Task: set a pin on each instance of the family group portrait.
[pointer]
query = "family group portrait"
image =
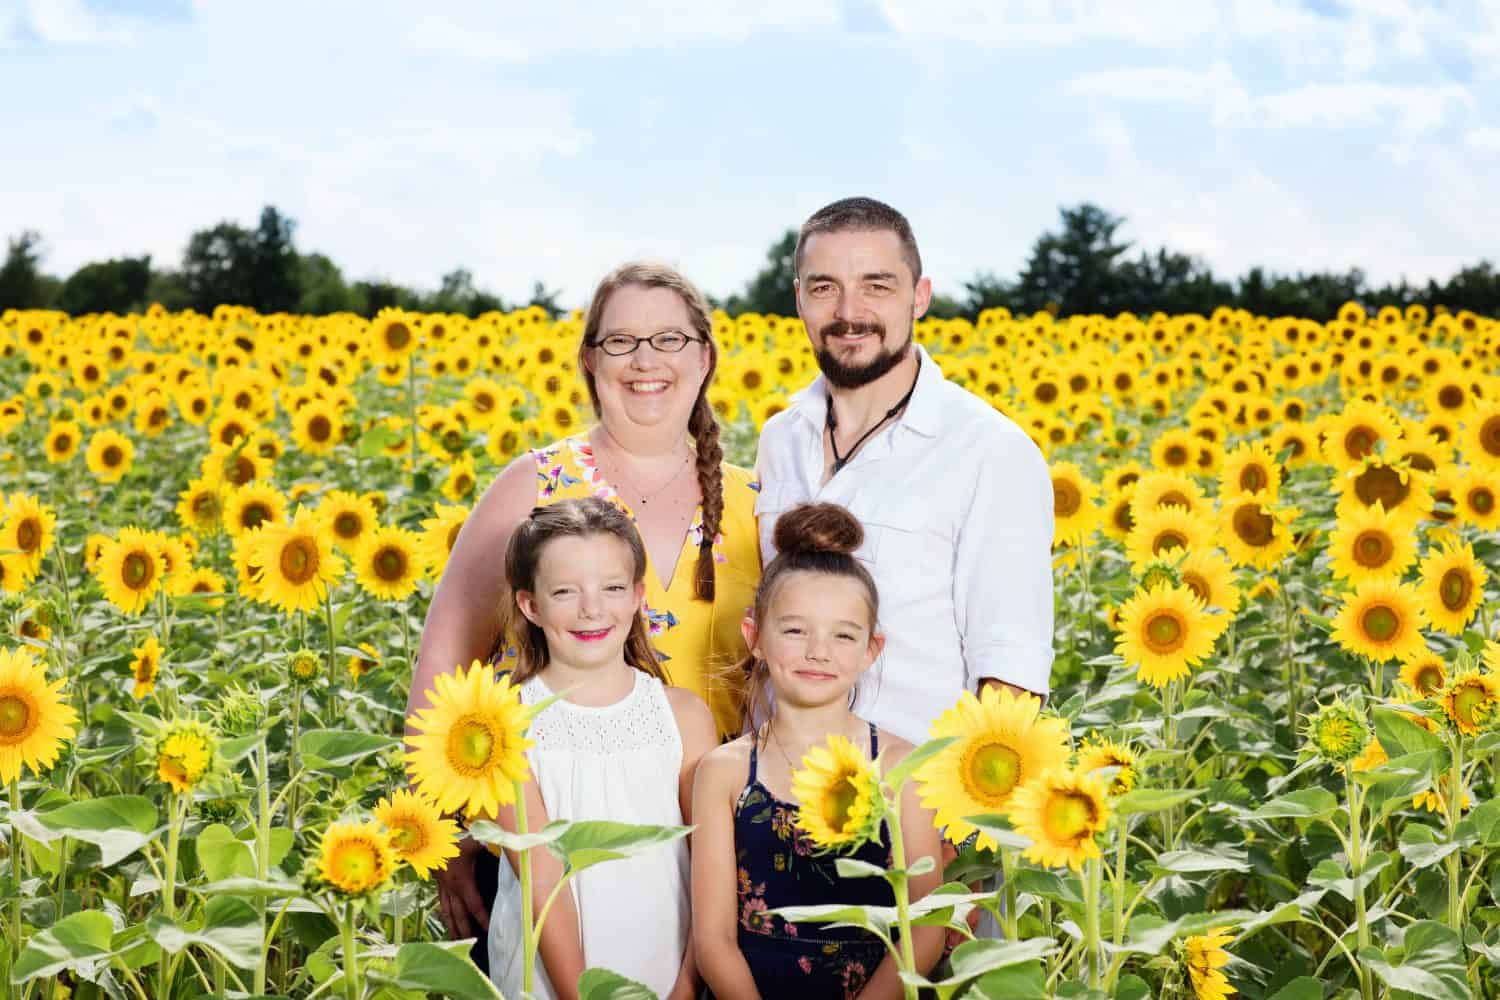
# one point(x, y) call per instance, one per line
point(851, 500)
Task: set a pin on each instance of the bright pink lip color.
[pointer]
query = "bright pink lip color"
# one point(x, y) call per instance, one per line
point(590, 636)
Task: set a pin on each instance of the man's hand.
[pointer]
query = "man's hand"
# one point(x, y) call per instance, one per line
point(462, 907)
point(988, 682)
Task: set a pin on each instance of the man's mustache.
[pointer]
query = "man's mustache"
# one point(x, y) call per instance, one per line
point(843, 328)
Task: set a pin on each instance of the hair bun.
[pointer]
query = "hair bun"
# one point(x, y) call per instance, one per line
point(818, 527)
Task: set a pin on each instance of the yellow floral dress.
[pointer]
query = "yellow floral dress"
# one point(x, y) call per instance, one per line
point(698, 642)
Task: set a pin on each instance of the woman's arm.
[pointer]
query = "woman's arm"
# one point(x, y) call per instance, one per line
point(560, 943)
point(716, 946)
point(695, 724)
point(464, 616)
point(919, 832)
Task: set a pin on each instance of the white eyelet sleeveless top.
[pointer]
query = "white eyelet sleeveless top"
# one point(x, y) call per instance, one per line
point(616, 762)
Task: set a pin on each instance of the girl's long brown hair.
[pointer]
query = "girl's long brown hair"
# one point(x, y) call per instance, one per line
point(703, 425)
point(584, 517)
point(809, 538)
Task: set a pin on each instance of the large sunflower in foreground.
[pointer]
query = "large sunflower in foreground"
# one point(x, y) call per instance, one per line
point(1165, 632)
point(420, 834)
point(837, 791)
point(1368, 543)
point(34, 717)
point(389, 563)
point(130, 570)
point(1204, 956)
point(297, 562)
point(1452, 586)
point(355, 858)
point(1062, 812)
point(1381, 620)
point(469, 750)
point(1001, 742)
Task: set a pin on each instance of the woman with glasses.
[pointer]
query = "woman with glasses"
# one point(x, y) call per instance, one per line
point(647, 356)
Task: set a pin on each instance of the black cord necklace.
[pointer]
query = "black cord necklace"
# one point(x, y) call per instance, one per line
point(832, 423)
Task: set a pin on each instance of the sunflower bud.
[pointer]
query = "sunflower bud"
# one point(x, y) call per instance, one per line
point(303, 666)
point(1338, 732)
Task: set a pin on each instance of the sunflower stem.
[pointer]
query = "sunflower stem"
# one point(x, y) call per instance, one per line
point(333, 680)
point(528, 924)
point(902, 887)
point(1092, 953)
point(263, 849)
point(1117, 927)
point(411, 405)
point(1454, 803)
point(169, 886)
point(352, 989)
point(1169, 742)
point(1011, 920)
point(16, 873)
point(1356, 869)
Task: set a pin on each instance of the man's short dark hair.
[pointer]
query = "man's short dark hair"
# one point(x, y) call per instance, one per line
point(861, 215)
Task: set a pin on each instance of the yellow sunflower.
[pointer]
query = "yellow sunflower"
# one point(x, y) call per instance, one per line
point(1368, 544)
point(35, 719)
point(1162, 489)
point(1479, 498)
point(1062, 812)
point(366, 660)
point(420, 834)
point(388, 563)
point(1338, 731)
point(1357, 432)
point(1108, 759)
point(348, 516)
point(1075, 515)
point(838, 794)
point(393, 336)
point(1174, 449)
point(1397, 487)
point(200, 507)
point(439, 533)
point(29, 528)
point(1255, 534)
point(130, 570)
point(1425, 673)
point(145, 667)
point(203, 580)
point(184, 754)
point(1117, 517)
point(1165, 632)
point(1381, 620)
point(318, 427)
point(1481, 436)
point(1205, 957)
point(469, 746)
point(63, 439)
point(110, 455)
point(1168, 532)
point(252, 506)
point(1210, 576)
point(460, 480)
point(1001, 743)
point(1470, 699)
point(297, 562)
point(1452, 586)
point(355, 859)
point(1250, 469)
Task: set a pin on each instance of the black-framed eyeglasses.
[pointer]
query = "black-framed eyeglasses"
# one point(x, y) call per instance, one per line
point(667, 341)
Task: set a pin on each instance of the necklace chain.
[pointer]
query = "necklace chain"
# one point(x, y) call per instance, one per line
point(646, 498)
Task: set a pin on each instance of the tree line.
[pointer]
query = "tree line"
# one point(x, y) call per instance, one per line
point(1081, 266)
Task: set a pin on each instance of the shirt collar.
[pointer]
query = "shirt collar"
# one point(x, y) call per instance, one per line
point(921, 413)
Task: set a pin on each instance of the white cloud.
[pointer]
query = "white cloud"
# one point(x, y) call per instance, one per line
point(440, 35)
point(1216, 87)
point(1484, 138)
point(62, 22)
point(1414, 108)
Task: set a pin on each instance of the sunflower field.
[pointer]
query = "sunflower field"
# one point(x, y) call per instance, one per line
point(1267, 769)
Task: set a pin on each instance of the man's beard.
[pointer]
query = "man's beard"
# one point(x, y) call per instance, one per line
point(853, 376)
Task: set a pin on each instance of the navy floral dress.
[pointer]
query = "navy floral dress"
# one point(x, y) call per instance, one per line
point(778, 866)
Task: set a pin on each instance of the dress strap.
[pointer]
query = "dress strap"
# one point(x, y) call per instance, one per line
point(754, 747)
point(874, 742)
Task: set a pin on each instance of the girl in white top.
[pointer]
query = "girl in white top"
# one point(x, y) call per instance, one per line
point(618, 745)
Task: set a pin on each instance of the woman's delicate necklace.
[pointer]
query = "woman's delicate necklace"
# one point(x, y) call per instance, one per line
point(646, 498)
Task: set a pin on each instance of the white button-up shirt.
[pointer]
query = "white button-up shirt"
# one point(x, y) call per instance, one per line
point(956, 504)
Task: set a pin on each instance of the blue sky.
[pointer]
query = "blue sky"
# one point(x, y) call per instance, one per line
point(554, 140)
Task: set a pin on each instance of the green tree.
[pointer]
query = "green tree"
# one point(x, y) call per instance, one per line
point(274, 285)
point(321, 286)
point(546, 297)
point(22, 284)
point(772, 290)
point(117, 286)
point(218, 267)
point(1076, 269)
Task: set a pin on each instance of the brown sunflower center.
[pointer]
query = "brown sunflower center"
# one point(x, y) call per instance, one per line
point(62, 443)
point(1046, 392)
point(471, 745)
point(1373, 549)
point(408, 837)
point(1066, 498)
point(1253, 479)
point(1124, 520)
point(1359, 441)
point(242, 470)
point(1380, 622)
point(838, 804)
point(397, 336)
point(1253, 526)
point(992, 770)
point(390, 564)
point(1176, 455)
point(1489, 437)
point(1069, 815)
point(320, 428)
point(1454, 588)
point(299, 560)
point(28, 534)
point(112, 456)
point(205, 506)
point(1168, 539)
point(1174, 497)
point(1451, 397)
point(1481, 500)
point(254, 514)
point(1381, 482)
point(15, 719)
point(137, 569)
point(1198, 585)
point(348, 524)
point(1164, 631)
point(1429, 679)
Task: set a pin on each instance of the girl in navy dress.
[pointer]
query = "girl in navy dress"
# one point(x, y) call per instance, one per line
point(812, 637)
